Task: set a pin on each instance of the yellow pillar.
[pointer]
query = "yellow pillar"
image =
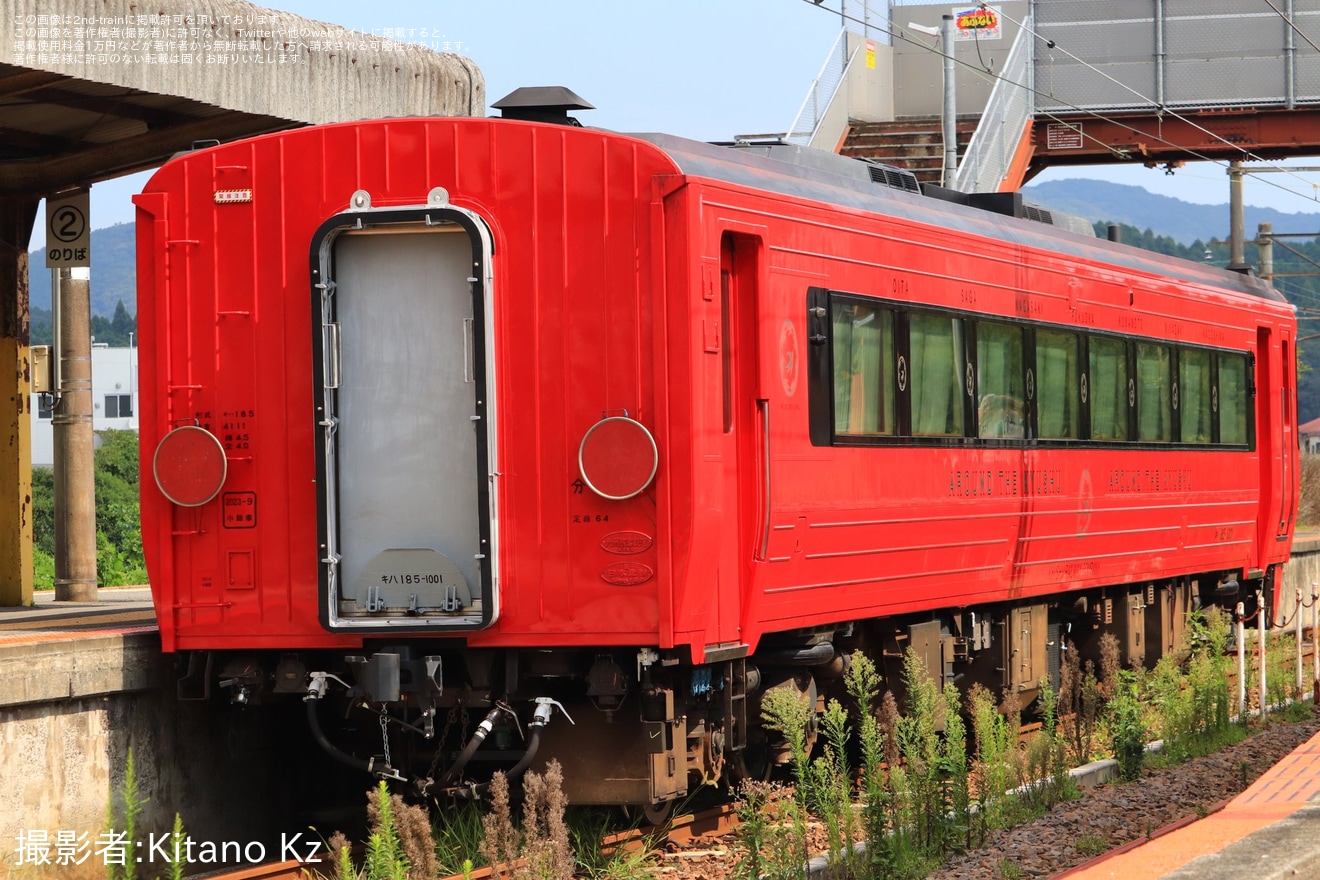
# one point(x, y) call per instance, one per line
point(17, 214)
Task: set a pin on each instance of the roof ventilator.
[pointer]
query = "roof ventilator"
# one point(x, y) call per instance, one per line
point(892, 177)
point(542, 104)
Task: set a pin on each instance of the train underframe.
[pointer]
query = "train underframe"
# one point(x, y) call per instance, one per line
point(645, 727)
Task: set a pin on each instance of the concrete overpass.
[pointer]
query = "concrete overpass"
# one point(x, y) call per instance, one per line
point(89, 92)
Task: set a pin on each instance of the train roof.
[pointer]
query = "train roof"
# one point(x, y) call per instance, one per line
point(819, 176)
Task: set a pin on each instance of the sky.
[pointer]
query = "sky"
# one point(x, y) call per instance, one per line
point(705, 69)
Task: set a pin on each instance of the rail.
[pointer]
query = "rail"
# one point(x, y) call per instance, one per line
point(287, 870)
point(1008, 112)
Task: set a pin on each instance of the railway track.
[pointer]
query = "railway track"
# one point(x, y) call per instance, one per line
point(287, 870)
point(678, 833)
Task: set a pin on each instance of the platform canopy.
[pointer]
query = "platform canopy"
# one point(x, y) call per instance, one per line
point(89, 92)
point(92, 91)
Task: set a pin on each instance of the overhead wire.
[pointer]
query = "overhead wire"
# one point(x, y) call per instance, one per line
point(1162, 109)
point(1292, 25)
point(987, 75)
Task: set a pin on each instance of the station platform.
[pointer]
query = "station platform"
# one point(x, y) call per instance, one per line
point(117, 610)
point(1270, 831)
point(60, 651)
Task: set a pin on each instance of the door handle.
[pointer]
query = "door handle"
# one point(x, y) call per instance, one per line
point(763, 408)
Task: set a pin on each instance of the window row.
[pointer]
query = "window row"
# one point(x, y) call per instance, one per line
point(884, 371)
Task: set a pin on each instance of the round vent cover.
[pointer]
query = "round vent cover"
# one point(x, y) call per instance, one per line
point(190, 466)
point(618, 458)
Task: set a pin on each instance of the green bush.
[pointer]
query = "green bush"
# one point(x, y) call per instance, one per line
point(119, 557)
point(43, 570)
point(1127, 728)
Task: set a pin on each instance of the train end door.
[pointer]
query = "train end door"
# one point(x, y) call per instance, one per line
point(405, 422)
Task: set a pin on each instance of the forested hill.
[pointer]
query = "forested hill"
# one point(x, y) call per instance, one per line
point(113, 287)
point(114, 275)
point(1182, 221)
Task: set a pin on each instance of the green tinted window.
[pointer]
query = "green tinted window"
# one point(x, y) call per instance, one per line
point(1108, 388)
point(1154, 392)
point(1001, 396)
point(1233, 399)
point(937, 375)
point(1194, 403)
point(863, 349)
point(1057, 415)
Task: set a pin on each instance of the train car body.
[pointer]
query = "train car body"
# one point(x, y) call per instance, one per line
point(456, 410)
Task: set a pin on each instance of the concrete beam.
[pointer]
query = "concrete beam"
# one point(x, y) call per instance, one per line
point(275, 63)
point(115, 159)
point(73, 668)
point(16, 218)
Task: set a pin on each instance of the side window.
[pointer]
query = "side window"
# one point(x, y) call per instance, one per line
point(863, 352)
point(1194, 406)
point(1108, 388)
point(936, 346)
point(118, 406)
point(1232, 399)
point(1154, 392)
point(1057, 383)
point(1001, 394)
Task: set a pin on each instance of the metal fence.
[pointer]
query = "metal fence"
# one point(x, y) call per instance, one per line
point(1154, 54)
point(855, 16)
point(1003, 123)
point(823, 89)
point(871, 20)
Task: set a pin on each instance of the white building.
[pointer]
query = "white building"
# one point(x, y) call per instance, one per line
point(114, 400)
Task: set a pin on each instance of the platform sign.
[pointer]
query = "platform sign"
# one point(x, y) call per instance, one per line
point(68, 231)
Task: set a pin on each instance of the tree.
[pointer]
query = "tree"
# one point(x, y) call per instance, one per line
point(118, 516)
point(119, 557)
point(116, 331)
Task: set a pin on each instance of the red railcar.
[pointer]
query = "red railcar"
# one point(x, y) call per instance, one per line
point(457, 410)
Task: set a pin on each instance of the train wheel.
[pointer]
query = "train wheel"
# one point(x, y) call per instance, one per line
point(658, 814)
point(751, 763)
point(648, 814)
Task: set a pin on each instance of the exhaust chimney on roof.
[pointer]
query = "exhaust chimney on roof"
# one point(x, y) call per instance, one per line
point(542, 104)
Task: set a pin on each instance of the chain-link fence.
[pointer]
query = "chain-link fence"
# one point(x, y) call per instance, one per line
point(822, 92)
point(868, 18)
point(1149, 54)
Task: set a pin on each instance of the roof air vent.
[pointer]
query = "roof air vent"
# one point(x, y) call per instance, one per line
point(892, 177)
point(1037, 213)
point(542, 104)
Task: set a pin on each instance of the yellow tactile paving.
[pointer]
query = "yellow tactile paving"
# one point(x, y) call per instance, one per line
point(1282, 791)
point(22, 637)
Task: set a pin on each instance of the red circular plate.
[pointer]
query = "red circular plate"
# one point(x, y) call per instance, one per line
point(618, 458)
point(190, 466)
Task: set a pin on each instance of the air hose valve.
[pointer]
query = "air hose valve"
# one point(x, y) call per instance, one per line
point(545, 707)
point(320, 680)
